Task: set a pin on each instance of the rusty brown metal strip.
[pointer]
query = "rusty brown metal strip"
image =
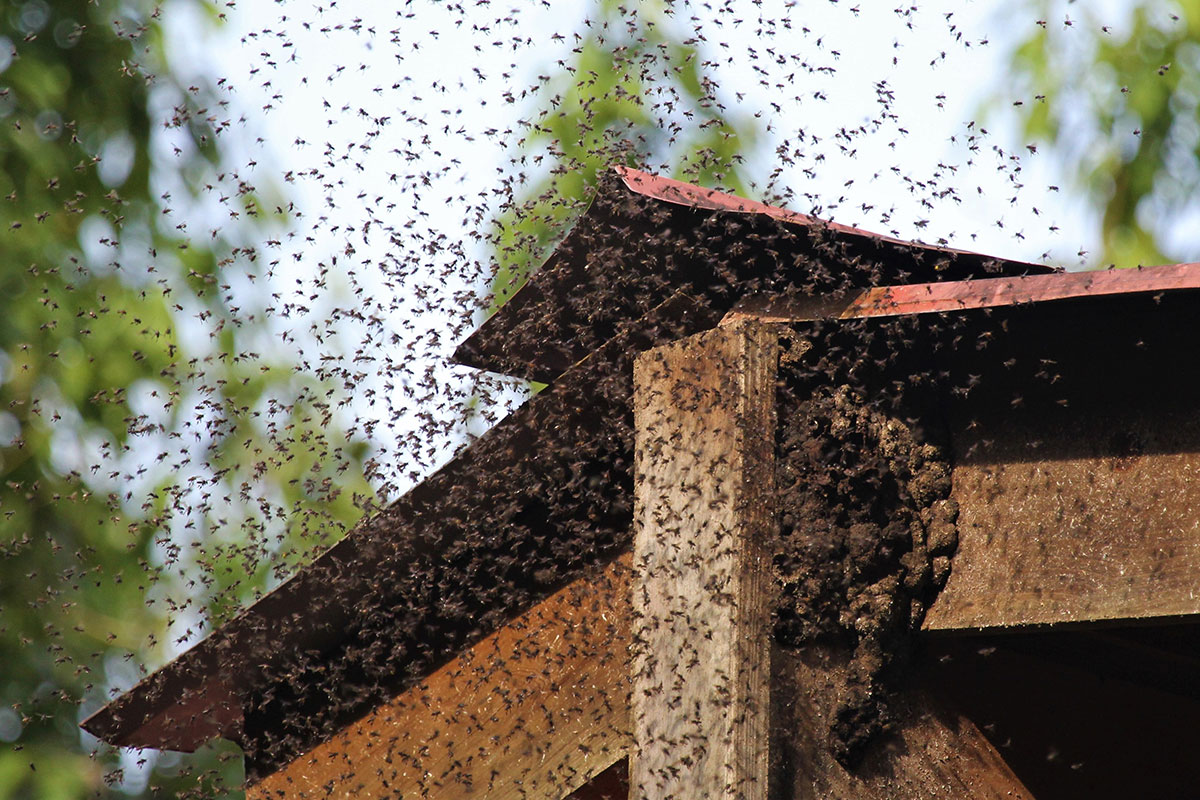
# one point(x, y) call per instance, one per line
point(927, 298)
point(693, 196)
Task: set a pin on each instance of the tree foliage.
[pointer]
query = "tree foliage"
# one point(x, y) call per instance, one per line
point(1116, 92)
point(153, 464)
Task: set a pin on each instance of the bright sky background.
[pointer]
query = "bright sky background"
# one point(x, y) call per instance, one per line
point(434, 58)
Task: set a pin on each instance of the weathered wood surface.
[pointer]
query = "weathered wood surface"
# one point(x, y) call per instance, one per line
point(704, 412)
point(533, 711)
point(1104, 524)
point(933, 753)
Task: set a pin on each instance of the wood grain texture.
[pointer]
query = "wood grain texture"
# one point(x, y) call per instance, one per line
point(704, 413)
point(1094, 528)
point(535, 710)
point(933, 752)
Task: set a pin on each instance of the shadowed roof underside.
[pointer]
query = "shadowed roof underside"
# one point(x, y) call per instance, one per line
point(645, 237)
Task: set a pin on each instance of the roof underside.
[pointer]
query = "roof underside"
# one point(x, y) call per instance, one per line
point(645, 237)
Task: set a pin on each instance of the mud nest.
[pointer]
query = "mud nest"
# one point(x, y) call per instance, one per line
point(867, 530)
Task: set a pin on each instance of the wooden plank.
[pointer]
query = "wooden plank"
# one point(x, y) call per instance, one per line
point(704, 414)
point(934, 752)
point(1102, 525)
point(535, 710)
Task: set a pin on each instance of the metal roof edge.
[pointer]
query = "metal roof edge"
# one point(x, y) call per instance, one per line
point(670, 190)
point(927, 298)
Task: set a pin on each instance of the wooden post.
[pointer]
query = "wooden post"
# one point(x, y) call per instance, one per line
point(704, 413)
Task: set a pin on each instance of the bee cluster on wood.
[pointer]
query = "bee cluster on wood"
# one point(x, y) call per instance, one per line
point(866, 532)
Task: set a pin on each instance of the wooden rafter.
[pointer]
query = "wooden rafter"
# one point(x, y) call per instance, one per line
point(1086, 538)
point(535, 710)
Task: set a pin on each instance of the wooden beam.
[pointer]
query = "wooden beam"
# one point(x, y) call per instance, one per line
point(933, 751)
point(535, 710)
point(704, 415)
point(1092, 529)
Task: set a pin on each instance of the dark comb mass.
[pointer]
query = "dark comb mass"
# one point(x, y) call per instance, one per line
point(866, 527)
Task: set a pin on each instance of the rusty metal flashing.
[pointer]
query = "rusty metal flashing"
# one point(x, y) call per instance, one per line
point(928, 298)
point(651, 236)
point(693, 196)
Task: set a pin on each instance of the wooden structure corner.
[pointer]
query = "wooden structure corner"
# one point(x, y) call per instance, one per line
point(617, 628)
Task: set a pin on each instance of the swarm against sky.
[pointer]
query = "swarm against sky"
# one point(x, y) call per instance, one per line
point(232, 338)
point(403, 154)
